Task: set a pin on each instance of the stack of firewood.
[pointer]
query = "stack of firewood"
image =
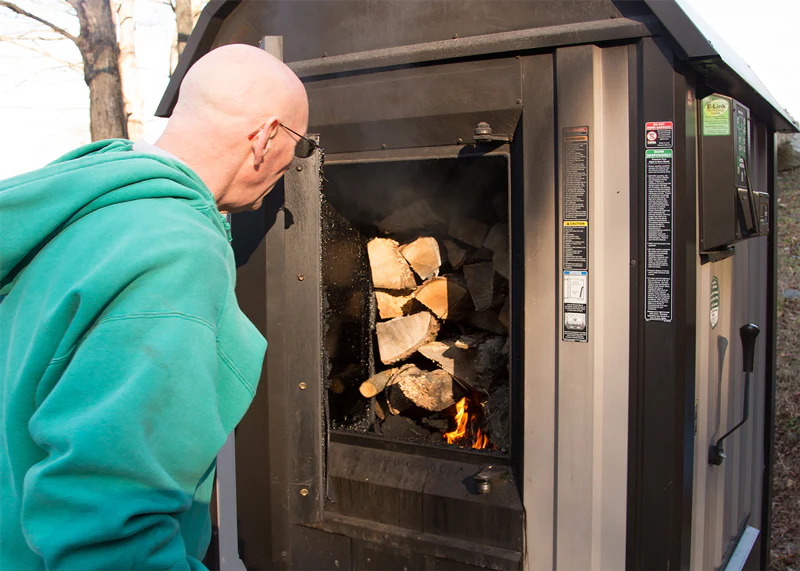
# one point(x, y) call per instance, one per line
point(441, 291)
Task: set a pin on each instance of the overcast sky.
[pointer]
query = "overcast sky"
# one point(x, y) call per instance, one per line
point(44, 104)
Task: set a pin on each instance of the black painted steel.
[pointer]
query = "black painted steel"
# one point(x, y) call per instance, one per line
point(765, 517)
point(662, 384)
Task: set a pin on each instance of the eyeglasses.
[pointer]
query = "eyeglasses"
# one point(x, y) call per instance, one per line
point(305, 147)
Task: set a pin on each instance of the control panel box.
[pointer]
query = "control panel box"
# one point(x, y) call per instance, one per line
point(730, 208)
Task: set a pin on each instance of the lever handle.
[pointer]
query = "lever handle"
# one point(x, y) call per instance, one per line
point(748, 333)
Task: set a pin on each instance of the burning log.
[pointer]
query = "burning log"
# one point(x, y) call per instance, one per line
point(377, 383)
point(480, 280)
point(415, 216)
point(391, 305)
point(423, 256)
point(429, 390)
point(467, 230)
point(400, 337)
point(455, 254)
point(389, 268)
point(474, 361)
point(440, 295)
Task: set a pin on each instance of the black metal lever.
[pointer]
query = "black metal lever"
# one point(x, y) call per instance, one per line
point(748, 334)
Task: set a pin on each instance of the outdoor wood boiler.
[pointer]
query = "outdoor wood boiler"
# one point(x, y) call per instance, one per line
point(595, 184)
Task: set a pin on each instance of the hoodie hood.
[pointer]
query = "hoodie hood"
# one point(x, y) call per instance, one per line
point(37, 205)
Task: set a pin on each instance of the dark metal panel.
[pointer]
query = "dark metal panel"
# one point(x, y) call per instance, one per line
point(659, 530)
point(635, 396)
point(303, 337)
point(495, 43)
point(416, 107)
point(325, 29)
point(314, 550)
point(393, 539)
point(771, 356)
point(261, 430)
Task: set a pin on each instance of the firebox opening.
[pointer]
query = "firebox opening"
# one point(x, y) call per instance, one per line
point(416, 300)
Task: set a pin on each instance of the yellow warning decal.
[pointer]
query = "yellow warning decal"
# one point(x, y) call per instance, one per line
point(575, 223)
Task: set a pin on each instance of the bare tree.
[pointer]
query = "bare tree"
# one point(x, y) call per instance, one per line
point(129, 70)
point(97, 43)
point(186, 14)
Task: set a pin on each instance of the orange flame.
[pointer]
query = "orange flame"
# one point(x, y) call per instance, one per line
point(462, 418)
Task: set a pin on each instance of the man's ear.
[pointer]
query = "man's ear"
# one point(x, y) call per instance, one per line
point(263, 143)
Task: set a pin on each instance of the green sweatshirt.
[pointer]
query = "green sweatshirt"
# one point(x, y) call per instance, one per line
point(125, 362)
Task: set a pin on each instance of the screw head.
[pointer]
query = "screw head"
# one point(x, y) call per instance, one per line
point(459, 140)
point(304, 492)
point(302, 386)
point(299, 167)
point(383, 147)
point(300, 277)
point(519, 101)
point(455, 36)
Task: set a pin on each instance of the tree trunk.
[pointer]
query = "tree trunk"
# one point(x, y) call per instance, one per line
point(186, 14)
point(98, 46)
point(128, 68)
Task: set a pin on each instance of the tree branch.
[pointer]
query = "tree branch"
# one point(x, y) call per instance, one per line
point(21, 12)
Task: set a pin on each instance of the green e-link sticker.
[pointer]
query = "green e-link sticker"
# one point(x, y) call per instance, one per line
point(714, 302)
point(716, 116)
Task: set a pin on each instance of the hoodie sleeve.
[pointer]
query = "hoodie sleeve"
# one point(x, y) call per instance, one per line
point(129, 430)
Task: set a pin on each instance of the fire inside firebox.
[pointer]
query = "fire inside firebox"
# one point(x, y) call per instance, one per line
point(416, 300)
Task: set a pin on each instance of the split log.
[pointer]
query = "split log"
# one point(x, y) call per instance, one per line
point(474, 360)
point(480, 281)
point(429, 390)
point(424, 257)
point(487, 320)
point(497, 238)
point(496, 419)
point(376, 383)
point(440, 295)
point(504, 315)
point(391, 305)
point(468, 230)
point(415, 216)
point(500, 204)
point(497, 241)
point(389, 268)
point(400, 337)
point(455, 254)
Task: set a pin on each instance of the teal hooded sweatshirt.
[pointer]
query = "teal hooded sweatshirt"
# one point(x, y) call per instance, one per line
point(125, 362)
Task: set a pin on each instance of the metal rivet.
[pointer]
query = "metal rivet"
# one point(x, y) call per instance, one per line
point(284, 554)
point(519, 101)
point(633, 262)
point(460, 140)
point(455, 36)
point(613, 15)
point(302, 386)
point(304, 492)
point(383, 146)
point(300, 277)
point(517, 57)
point(299, 167)
point(324, 54)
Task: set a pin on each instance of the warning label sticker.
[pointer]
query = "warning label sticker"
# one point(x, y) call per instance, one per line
point(576, 318)
point(658, 231)
point(576, 173)
point(658, 135)
point(576, 245)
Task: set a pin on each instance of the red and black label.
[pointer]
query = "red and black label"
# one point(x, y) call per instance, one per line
point(658, 135)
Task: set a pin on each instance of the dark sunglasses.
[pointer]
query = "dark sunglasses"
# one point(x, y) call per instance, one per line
point(305, 147)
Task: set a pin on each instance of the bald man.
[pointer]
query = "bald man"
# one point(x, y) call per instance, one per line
point(125, 361)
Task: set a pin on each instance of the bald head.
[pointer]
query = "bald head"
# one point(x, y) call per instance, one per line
point(225, 96)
